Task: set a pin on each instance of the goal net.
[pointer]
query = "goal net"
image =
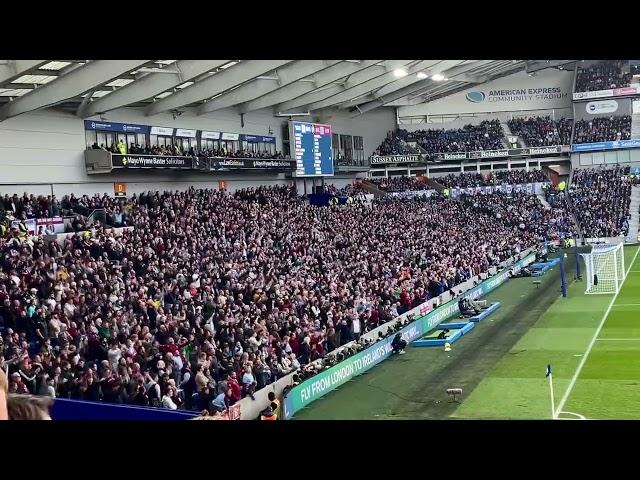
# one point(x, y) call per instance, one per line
point(604, 268)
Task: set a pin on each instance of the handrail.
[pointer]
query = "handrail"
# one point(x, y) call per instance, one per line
point(571, 210)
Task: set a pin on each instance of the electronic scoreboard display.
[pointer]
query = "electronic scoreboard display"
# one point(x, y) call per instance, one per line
point(311, 147)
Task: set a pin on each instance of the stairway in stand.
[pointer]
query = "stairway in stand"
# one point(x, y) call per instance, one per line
point(543, 200)
point(507, 133)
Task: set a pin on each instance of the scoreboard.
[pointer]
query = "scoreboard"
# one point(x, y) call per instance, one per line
point(311, 147)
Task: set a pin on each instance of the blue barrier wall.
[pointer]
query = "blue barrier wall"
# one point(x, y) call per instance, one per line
point(64, 409)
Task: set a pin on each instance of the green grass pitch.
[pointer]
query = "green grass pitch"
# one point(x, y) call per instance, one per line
point(501, 364)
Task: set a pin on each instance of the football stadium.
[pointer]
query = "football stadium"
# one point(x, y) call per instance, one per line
point(297, 240)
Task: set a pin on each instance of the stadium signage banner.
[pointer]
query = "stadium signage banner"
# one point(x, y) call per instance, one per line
point(314, 388)
point(54, 223)
point(185, 133)
point(614, 145)
point(252, 164)
point(209, 135)
point(489, 154)
point(548, 89)
point(513, 152)
point(230, 136)
point(529, 188)
point(151, 161)
point(115, 127)
point(257, 139)
point(412, 194)
point(384, 159)
point(536, 151)
point(633, 89)
point(454, 156)
point(165, 131)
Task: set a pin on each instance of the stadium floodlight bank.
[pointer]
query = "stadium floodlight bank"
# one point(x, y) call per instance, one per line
point(605, 269)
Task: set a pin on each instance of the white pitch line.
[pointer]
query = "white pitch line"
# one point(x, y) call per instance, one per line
point(580, 417)
point(617, 339)
point(583, 360)
point(627, 304)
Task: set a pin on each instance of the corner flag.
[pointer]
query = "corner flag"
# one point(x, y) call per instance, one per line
point(553, 402)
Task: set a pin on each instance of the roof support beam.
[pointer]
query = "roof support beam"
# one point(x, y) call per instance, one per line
point(71, 85)
point(384, 99)
point(15, 68)
point(366, 87)
point(259, 87)
point(357, 78)
point(437, 66)
point(307, 85)
point(460, 73)
point(215, 84)
point(150, 86)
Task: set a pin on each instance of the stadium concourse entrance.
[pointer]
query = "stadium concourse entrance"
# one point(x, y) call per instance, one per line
point(414, 386)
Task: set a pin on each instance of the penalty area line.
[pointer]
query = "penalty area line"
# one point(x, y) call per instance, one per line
point(583, 360)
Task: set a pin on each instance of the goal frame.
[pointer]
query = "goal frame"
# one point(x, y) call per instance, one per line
point(596, 262)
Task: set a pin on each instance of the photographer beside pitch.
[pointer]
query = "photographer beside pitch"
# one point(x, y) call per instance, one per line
point(469, 307)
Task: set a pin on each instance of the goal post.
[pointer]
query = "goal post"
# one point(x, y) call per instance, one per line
point(604, 269)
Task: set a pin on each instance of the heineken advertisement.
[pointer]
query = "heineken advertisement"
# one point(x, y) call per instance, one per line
point(319, 385)
point(490, 154)
point(478, 155)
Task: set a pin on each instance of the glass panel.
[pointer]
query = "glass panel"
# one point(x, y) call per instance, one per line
point(90, 137)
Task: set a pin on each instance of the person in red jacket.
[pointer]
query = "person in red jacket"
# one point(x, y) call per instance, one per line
point(294, 343)
point(236, 389)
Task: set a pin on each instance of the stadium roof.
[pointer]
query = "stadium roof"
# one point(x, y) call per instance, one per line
point(90, 87)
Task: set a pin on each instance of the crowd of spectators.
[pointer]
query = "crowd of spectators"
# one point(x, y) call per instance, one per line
point(601, 199)
point(464, 180)
point(398, 184)
point(525, 212)
point(542, 131)
point(27, 206)
point(603, 129)
point(116, 209)
point(604, 75)
point(178, 150)
point(487, 135)
point(395, 144)
point(213, 295)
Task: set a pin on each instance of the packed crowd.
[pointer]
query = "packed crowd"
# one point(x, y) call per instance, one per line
point(464, 180)
point(601, 199)
point(116, 209)
point(526, 212)
point(542, 131)
point(485, 136)
point(398, 184)
point(30, 206)
point(605, 75)
point(395, 144)
point(214, 295)
point(178, 150)
point(603, 129)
